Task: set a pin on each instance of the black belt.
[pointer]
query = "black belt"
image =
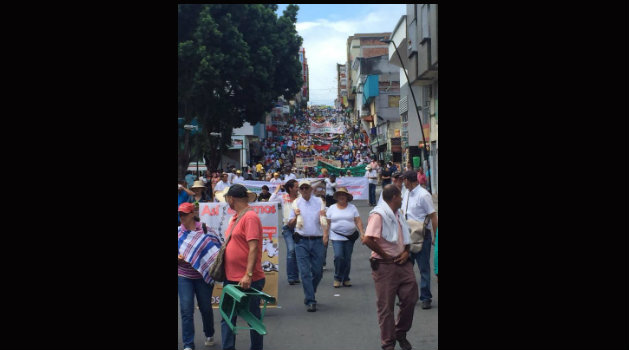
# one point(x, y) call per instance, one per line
point(309, 237)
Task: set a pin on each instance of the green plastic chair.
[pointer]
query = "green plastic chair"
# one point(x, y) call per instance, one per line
point(235, 300)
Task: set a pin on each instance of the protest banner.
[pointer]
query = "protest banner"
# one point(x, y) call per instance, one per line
point(256, 186)
point(301, 162)
point(332, 162)
point(326, 128)
point(357, 186)
point(217, 215)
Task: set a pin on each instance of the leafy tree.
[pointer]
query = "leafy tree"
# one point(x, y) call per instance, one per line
point(234, 60)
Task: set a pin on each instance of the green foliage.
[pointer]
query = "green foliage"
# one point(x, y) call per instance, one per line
point(234, 60)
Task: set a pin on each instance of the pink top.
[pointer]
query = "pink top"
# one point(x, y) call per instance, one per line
point(374, 229)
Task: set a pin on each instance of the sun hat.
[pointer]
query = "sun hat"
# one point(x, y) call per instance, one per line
point(186, 208)
point(304, 182)
point(198, 184)
point(343, 190)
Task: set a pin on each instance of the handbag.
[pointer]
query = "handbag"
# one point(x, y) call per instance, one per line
point(217, 270)
point(353, 237)
point(417, 231)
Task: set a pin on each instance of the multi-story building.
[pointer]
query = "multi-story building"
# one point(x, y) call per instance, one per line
point(378, 91)
point(303, 96)
point(415, 37)
point(361, 45)
point(341, 76)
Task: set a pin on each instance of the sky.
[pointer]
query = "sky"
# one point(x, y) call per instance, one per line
point(325, 29)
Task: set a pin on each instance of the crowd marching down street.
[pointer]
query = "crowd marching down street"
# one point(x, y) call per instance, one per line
point(316, 209)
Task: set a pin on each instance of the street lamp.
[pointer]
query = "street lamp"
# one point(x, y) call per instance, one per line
point(217, 134)
point(421, 125)
point(189, 127)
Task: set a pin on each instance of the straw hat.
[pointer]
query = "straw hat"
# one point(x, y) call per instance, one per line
point(198, 184)
point(220, 195)
point(343, 190)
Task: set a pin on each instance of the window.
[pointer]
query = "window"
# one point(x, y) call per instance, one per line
point(394, 101)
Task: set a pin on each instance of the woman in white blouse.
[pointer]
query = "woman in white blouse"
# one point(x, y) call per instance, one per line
point(343, 221)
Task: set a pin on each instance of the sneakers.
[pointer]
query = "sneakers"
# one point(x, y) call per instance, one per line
point(209, 341)
point(426, 304)
point(312, 307)
point(347, 283)
point(404, 344)
point(337, 284)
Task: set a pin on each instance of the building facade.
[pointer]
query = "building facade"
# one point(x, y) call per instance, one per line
point(415, 37)
point(303, 96)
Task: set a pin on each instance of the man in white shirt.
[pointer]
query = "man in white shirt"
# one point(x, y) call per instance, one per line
point(238, 178)
point(276, 179)
point(310, 240)
point(290, 175)
point(221, 185)
point(417, 204)
point(372, 175)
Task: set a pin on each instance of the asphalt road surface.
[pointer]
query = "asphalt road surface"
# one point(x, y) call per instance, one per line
point(346, 317)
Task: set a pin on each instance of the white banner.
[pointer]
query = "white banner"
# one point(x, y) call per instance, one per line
point(326, 128)
point(256, 186)
point(217, 216)
point(357, 186)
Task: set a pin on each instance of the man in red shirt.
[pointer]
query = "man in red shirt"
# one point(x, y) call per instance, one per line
point(242, 259)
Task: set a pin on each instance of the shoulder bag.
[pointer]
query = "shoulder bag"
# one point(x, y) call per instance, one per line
point(416, 229)
point(217, 270)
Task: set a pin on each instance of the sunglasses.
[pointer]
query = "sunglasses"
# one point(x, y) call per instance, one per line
point(305, 188)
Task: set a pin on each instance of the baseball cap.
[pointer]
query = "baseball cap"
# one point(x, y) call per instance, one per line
point(237, 191)
point(410, 175)
point(186, 208)
point(304, 182)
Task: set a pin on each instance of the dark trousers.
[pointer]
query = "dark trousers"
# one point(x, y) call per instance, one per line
point(372, 194)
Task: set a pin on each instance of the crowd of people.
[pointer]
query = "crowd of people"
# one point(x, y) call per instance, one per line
point(398, 231)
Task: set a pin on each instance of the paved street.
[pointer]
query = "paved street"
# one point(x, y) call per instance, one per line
point(346, 318)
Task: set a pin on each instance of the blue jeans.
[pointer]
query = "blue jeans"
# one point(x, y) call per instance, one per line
point(342, 259)
point(228, 337)
point(187, 288)
point(423, 261)
point(291, 260)
point(310, 255)
point(372, 194)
